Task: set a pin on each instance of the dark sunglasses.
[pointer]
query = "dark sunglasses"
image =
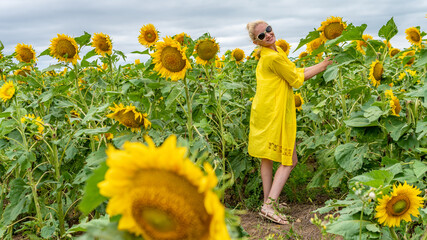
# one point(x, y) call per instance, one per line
point(261, 36)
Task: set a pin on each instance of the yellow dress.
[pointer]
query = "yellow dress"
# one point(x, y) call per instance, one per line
point(273, 125)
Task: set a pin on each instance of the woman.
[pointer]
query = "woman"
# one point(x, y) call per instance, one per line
point(273, 118)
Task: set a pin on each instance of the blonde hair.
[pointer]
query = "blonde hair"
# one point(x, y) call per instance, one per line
point(251, 28)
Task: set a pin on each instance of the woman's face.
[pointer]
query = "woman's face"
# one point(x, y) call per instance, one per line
point(269, 38)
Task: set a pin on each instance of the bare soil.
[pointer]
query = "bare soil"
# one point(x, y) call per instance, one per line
point(299, 228)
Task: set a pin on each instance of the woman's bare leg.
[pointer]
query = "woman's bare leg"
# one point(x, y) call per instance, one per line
point(280, 178)
point(266, 176)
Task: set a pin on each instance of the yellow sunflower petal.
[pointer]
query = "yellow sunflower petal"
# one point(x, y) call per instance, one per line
point(206, 50)
point(7, 91)
point(399, 205)
point(376, 72)
point(102, 44)
point(238, 55)
point(162, 200)
point(332, 28)
point(413, 36)
point(170, 59)
point(148, 35)
point(128, 116)
point(25, 53)
point(284, 45)
point(64, 48)
point(299, 101)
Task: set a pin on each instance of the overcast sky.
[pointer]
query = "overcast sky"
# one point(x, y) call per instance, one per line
point(36, 22)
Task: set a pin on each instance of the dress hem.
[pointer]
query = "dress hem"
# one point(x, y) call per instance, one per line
point(279, 161)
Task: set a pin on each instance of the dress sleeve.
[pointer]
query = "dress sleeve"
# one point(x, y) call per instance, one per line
point(287, 70)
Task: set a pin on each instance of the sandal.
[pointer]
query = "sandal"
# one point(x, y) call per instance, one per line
point(273, 216)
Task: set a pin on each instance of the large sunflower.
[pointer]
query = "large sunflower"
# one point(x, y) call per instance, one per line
point(284, 45)
point(332, 28)
point(299, 101)
point(411, 60)
point(170, 59)
point(102, 44)
point(238, 55)
point(376, 72)
point(315, 44)
point(161, 194)
point(363, 44)
point(413, 36)
point(399, 205)
point(256, 53)
point(129, 117)
point(389, 93)
point(303, 55)
point(181, 38)
point(206, 50)
point(219, 63)
point(148, 35)
point(24, 71)
point(7, 91)
point(64, 48)
point(33, 121)
point(394, 51)
point(395, 106)
point(25, 53)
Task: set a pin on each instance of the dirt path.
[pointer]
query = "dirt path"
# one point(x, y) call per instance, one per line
point(300, 228)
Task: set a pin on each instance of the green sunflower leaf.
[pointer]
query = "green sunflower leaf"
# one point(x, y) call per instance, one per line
point(350, 156)
point(44, 53)
point(375, 178)
point(18, 201)
point(396, 127)
point(143, 52)
point(310, 37)
point(348, 226)
point(422, 60)
point(53, 67)
point(92, 198)
point(419, 168)
point(360, 122)
point(389, 30)
point(331, 73)
point(84, 39)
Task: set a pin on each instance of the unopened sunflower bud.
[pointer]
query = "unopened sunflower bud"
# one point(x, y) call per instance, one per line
point(372, 195)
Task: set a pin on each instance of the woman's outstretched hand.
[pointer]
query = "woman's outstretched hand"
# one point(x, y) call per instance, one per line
point(327, 61)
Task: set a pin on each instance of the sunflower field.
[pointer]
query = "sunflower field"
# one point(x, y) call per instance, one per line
point(94, 149)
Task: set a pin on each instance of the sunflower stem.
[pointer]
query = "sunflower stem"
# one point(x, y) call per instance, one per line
point(385, 51)
point(343, 103)
point(393, 233)
point(110, 65)
point(424, 237)
point(370, 45)
point(78, 88)
point(2, 195)
point(361, 219)
point(189, 110)
point(35, 198)
point(60, 211)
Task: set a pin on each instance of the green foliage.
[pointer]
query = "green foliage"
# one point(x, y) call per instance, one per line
point(388, 31)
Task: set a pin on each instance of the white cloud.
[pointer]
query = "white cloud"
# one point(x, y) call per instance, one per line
point(37, 22)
